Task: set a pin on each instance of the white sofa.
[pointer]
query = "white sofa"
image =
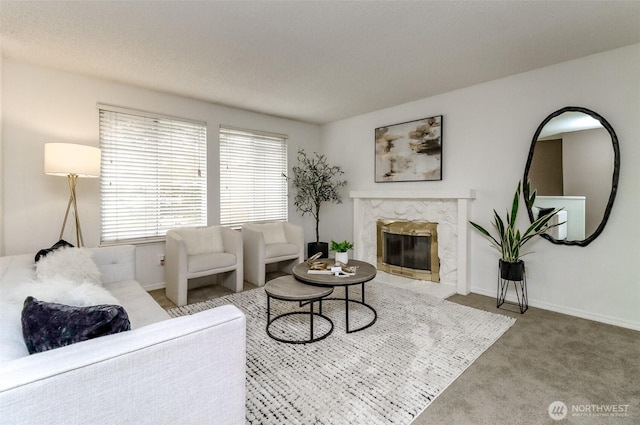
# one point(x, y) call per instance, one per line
point(187, 370)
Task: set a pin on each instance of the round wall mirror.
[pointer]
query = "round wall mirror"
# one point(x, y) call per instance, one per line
point(573, 164)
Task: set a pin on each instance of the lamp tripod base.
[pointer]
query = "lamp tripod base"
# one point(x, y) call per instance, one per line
point(73, 179)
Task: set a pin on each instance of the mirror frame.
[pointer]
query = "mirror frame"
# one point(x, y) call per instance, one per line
point(615, 177)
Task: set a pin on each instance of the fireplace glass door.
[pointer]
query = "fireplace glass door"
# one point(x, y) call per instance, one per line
point(408, 248)
point(407, 251)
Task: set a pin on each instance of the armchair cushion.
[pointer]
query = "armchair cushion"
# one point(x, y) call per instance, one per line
point(202, 262)
point(273, 233)
point(202, 240)
point(280, 249)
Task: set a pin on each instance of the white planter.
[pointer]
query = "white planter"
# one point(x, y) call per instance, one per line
point(343, 257)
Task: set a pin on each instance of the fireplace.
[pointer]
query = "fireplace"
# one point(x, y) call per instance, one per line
point(408, 248)
point(449, 208)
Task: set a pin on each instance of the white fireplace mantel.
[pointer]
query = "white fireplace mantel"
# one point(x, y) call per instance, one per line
point(414, 194)
point(463, 198)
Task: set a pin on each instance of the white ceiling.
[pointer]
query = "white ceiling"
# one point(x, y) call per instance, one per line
point(314, 61)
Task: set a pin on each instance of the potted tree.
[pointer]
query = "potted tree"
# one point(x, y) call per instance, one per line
point(509, 240)
point(316, 182)
point(341, 249)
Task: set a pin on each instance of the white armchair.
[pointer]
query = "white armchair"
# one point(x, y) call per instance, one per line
point(278, 243)
point(193, 252)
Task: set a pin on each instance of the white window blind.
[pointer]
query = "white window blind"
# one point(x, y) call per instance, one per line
point(252, 185)
point(153, 177)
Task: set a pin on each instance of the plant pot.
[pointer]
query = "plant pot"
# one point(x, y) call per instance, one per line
point(313, 247)
point(512, 271)
point(343, 257)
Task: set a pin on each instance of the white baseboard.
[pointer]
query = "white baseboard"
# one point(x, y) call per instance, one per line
point(567, 310)
point(154, 286)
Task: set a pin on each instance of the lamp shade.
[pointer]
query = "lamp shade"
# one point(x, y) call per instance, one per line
point(62, 159)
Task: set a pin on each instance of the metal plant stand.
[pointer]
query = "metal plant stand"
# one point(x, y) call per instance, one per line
point(520, 287)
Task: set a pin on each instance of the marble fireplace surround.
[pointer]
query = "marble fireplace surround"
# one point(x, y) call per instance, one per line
point(450, 209)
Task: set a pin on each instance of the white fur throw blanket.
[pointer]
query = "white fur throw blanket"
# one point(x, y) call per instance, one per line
point(65, 276)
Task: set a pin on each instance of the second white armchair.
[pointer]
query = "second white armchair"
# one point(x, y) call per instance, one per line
point(279, 243)
point(193, 252)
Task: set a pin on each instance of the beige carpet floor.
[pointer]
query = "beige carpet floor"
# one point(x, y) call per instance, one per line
point(545, 357)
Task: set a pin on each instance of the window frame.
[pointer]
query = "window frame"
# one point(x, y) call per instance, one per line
point(143, 132)
point(234, 143)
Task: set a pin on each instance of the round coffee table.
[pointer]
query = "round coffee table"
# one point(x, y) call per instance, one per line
point(287, 288)
point(364, 273)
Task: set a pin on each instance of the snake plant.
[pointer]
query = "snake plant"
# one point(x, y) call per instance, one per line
point(509, 240)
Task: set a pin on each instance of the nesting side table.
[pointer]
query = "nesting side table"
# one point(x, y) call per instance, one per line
point(287, 288)
point(365, 273)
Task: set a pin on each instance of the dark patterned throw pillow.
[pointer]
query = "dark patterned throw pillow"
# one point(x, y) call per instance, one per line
point(49, 325)
point(60, 244)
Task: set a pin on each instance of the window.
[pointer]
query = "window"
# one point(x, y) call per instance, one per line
point(153, 177)
point(252, 185)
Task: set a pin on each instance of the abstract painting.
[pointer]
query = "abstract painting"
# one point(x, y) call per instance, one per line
point(409, 151)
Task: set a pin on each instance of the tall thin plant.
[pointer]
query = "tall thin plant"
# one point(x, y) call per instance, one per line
point(316, 182)
point(509, 240)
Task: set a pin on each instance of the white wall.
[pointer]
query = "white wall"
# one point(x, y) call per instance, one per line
point(44, 105)
point(487, 132)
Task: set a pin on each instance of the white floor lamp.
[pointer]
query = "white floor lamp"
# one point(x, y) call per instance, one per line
point(72, 161)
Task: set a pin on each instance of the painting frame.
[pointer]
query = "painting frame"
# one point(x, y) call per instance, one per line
point(409, 151)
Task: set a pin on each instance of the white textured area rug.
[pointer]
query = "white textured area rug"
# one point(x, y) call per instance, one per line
point(386, 374)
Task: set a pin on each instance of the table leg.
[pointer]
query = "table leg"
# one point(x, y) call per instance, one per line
point(268, 310)
point(311, 320)
point(346, 306)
